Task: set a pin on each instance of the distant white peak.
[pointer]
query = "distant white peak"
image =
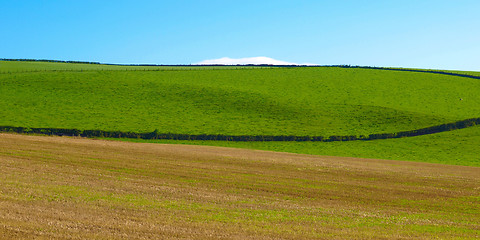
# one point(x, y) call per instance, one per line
point(246, 61)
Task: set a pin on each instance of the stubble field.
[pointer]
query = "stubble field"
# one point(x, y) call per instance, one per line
point(58, 187)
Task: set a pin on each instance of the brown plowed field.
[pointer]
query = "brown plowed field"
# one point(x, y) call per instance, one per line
point(59, 187)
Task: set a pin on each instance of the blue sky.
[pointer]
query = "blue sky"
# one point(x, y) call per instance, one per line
point(423, 33)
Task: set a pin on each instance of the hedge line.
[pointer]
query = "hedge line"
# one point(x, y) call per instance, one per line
point(250, 65)
point(245, 138)
point(411, 70)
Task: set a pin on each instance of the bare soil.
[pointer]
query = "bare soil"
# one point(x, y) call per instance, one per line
point(74, 188)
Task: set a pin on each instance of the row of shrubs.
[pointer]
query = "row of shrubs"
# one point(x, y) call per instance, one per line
point(410, 70)
point(256, 65)
point(245, 138)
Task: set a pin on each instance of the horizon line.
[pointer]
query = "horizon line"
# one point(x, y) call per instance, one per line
point(223, 65)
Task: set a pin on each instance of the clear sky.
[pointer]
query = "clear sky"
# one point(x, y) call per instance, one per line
point(410, 33)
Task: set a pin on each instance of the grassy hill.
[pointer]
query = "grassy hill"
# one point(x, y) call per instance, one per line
point(251, 101)
point(277, 101)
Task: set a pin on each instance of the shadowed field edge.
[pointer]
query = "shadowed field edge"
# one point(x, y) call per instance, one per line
point(242, 138)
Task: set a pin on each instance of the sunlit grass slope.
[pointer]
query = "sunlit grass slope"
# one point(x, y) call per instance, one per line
point(277, 101)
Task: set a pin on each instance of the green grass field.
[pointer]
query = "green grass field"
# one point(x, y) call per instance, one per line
point(252, 101)
point(277, 101)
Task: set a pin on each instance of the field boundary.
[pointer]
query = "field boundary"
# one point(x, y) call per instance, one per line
point(412, 70)
point(241, 138)
point(238, 66)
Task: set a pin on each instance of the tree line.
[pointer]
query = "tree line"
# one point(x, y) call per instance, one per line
point(240, 138)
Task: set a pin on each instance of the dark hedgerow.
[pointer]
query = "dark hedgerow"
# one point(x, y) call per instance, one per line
point(242, 138)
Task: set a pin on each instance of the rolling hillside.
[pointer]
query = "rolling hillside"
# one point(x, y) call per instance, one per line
point(314, 101)
point(72, 187)
point(275, 101)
